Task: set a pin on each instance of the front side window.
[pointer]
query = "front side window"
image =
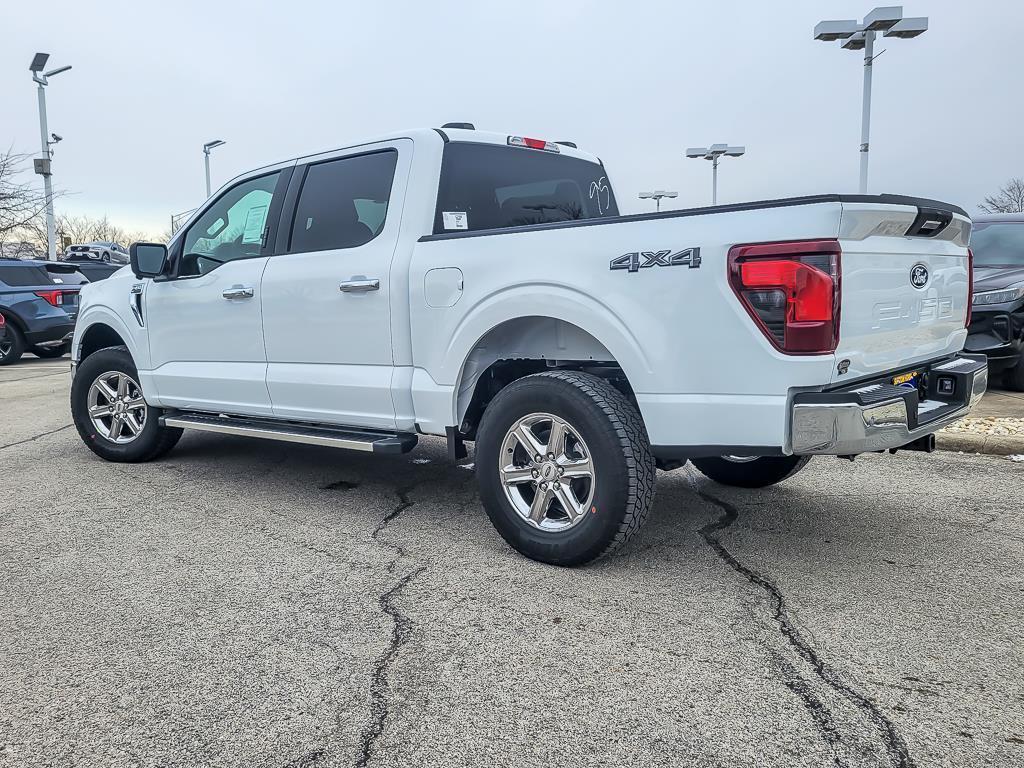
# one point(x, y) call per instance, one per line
point(232, 228)
point(490, 186)
point(343, 203)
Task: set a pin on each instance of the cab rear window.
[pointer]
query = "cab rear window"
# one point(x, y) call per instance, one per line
point(489, 186)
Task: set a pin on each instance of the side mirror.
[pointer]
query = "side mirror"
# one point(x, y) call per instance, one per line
point(148, 259)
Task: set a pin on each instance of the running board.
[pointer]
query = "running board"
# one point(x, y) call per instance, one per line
point(270, 429)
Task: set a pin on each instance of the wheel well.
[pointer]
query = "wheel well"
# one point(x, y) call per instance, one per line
point(523, 347)
point(99, 336)
point(13, 319)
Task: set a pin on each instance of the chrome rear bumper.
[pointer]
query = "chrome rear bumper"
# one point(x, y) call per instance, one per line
point(876, 417)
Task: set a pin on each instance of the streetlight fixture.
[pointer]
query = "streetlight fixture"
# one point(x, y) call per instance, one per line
point(656, 196)
point(854, 37)
point(42, 165)
point(713, 153)
point(206, 151)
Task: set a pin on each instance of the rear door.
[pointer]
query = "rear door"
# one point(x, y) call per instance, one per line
point(326, 296)
point(904, 286)
point(204, 323)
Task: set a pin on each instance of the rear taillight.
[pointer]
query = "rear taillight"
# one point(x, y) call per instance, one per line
point(56, 298)
point(791, 290)
point(970, 287)
point(3, 321)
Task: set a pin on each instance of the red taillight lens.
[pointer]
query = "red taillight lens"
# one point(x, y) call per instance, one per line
point(970, 287)
point(791, 290)
point(56, 298)
point(2, 321)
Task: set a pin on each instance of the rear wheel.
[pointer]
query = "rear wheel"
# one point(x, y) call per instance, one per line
point(564, 467)
point(48, 353)
point(12, 346)
point(750, 471)
point(110, 413)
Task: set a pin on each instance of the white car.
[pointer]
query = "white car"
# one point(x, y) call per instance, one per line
point(483, 287)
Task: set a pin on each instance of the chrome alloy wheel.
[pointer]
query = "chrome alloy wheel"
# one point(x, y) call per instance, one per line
point(5, 348)
point(547, 472)
point(740, 459)
point(116, 407)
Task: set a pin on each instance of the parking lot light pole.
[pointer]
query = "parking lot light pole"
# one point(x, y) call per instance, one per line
point(206, 152)
point(714, 153)
point(888, 20)
point(656, 196)
point(43, 164)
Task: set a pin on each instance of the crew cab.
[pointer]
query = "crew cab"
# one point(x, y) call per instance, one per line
point(484, 287)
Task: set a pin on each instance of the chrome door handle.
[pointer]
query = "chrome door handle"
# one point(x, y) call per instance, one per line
point(238, 292)
point(361, 285)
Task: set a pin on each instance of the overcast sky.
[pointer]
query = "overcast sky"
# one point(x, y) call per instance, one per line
point(634, 82)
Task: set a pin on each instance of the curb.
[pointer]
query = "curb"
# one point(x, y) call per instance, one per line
point(994, 445)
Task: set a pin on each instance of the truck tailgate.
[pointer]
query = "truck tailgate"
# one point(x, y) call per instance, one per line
point(905, 284)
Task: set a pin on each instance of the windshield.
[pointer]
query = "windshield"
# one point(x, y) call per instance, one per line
point(490, 186)
point(998, 244)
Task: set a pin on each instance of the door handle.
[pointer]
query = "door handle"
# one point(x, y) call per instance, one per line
point(362, 285)
point(238, 292)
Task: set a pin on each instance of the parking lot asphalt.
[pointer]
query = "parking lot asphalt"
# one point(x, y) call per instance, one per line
point(247, 603)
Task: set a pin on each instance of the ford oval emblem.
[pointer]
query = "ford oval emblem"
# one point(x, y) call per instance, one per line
point(919, 276)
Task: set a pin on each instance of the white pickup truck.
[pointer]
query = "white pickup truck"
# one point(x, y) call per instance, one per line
point(484, 287)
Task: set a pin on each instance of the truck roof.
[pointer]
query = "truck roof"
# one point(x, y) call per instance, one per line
point(457, 134)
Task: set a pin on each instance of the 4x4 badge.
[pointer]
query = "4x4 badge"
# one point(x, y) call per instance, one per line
point(634, 262)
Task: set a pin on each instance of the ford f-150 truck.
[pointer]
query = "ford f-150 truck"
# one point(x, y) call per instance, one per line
point(484, 287)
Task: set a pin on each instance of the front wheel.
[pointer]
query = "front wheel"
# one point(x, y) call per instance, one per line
point(1014, 377)
point(750, 471)
point(110, 413)
point(564, 466)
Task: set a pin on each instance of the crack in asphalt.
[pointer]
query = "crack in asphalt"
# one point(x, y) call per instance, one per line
point(895, 746)
point(380, 687)
point(36, 437)
point(824, 722)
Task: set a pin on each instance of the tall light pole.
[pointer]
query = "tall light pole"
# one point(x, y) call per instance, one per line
point(656, 196)
point(713, 153)
point(42, 164)
point(206, 151)
point(888, 20)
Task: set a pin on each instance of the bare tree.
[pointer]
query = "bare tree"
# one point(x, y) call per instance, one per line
point(1010, 198)
point(21, 202)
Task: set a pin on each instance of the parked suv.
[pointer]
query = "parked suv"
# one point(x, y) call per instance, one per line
point(39, 303)
point(484, 287)
point(997, 323)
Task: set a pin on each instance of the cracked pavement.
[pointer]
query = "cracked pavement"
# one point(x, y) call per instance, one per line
point(246, 603)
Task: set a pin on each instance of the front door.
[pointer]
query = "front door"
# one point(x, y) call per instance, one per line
point(204, 321)
point(326, 296)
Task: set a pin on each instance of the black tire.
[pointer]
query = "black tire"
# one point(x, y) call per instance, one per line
point(49, 353)
point(14, 345)
point(153, 441)
point(1014, 377)
point(613, 431)
point(757, 473)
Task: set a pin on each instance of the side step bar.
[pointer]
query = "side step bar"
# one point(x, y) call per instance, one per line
point(291, 432)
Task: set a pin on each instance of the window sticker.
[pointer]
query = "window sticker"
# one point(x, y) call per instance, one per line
point(455, 219)
point(253, 231)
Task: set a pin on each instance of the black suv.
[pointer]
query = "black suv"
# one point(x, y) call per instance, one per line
point(39, 304)
point(997, 323)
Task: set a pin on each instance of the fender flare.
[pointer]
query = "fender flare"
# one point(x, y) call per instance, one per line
point(559, 302)
point(96, 314)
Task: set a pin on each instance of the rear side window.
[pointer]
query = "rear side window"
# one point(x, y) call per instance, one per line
point(23, 275)
point(344, 202)
point(489, 186)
